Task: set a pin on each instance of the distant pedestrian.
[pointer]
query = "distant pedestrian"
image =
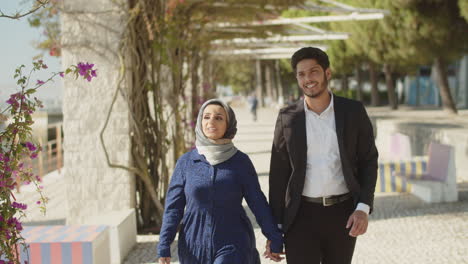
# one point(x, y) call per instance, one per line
point(253, 103)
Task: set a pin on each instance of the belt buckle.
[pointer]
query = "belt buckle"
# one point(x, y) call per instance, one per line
point(324, 202)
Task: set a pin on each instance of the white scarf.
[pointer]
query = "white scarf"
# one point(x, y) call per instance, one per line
point(219, 150)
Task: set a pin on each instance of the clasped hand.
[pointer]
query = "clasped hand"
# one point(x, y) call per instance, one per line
point(166, 260)
point(270, 255)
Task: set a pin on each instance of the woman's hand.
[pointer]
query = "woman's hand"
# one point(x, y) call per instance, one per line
point(270, 255)
point(165, 260)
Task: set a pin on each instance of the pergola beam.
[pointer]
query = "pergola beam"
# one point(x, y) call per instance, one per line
point(310, 19)
point(311, 28)
point(327, 36)
point(268, 53)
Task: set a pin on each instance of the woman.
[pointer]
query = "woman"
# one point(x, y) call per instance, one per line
point(210, 182)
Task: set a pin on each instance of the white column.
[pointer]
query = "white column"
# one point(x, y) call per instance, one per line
point(91, 33)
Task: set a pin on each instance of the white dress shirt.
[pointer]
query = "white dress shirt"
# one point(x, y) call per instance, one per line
point(324, 175)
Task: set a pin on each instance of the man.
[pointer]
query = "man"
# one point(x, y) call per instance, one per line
point(323, 168)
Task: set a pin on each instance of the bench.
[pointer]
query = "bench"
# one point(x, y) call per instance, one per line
point(65, 244)
point(122, 232)
point(387, 181)
point(438, 182)
point(106, 239)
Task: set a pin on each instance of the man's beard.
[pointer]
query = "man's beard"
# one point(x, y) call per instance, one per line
point(323, 87)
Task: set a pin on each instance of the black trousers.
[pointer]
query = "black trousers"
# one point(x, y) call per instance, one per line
point(319, 234)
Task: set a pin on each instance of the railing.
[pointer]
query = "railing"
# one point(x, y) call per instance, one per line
point(51, 156)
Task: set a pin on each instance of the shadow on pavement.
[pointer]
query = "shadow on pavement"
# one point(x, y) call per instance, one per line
point(407, 205)
point(140, 252)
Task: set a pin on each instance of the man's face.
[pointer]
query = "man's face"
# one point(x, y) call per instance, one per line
point(311, 77)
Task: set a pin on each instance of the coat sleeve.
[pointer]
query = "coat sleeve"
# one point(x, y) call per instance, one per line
point(258, 204)
point(174, 210)
point(280, 172)
point(367, 158)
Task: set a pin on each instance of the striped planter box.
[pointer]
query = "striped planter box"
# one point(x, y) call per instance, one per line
point(66, 245)
point(386, 180)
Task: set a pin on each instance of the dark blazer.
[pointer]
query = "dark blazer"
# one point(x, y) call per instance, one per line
point(289, 156)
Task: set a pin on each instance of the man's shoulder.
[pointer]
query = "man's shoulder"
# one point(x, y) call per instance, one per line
point(292, 107)
point(347, 102)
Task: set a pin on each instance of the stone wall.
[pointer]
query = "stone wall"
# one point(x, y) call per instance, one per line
point(91, 33)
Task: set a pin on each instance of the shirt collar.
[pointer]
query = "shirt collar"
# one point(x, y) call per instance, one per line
point(328, 109)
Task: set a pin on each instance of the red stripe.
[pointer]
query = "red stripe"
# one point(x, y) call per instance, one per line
point(16, 252)
point(55, 253)
point(36, 257)
point(77, 253)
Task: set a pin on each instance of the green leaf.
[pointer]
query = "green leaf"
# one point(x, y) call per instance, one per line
point(30, 91)
point(34, 22)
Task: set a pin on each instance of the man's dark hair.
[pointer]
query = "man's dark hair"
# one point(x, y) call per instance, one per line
point(310, 53)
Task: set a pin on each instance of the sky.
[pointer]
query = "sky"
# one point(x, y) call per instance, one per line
point(16, 48)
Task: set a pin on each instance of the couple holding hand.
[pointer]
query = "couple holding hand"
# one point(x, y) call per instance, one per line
point(322, 178)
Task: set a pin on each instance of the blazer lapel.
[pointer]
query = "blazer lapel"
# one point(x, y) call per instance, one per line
point(339, 122)
point(300, 137)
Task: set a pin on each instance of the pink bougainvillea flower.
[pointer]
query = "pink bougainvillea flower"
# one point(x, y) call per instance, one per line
point(11, 101)
point(39, 82)
point(30, 146)
point(19, 206)
point(86, 70)
point(62, 74)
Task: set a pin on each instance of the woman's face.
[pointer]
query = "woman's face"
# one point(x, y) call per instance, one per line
point(214, 122)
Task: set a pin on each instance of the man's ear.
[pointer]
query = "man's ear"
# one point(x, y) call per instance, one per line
point(328, 74)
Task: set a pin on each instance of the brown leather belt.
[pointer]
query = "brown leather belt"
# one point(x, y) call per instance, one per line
point(328, 201)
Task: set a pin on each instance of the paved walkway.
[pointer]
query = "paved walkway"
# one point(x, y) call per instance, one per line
point(402, 229)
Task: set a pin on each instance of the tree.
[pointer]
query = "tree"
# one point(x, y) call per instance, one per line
point(463, 4)
point(436, 33)
point(239, 74)
point(377, 41)
point(344, 62)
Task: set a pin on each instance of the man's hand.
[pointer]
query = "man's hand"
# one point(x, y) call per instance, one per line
point(165, 260)
point(358, 222)
point(270, 255)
